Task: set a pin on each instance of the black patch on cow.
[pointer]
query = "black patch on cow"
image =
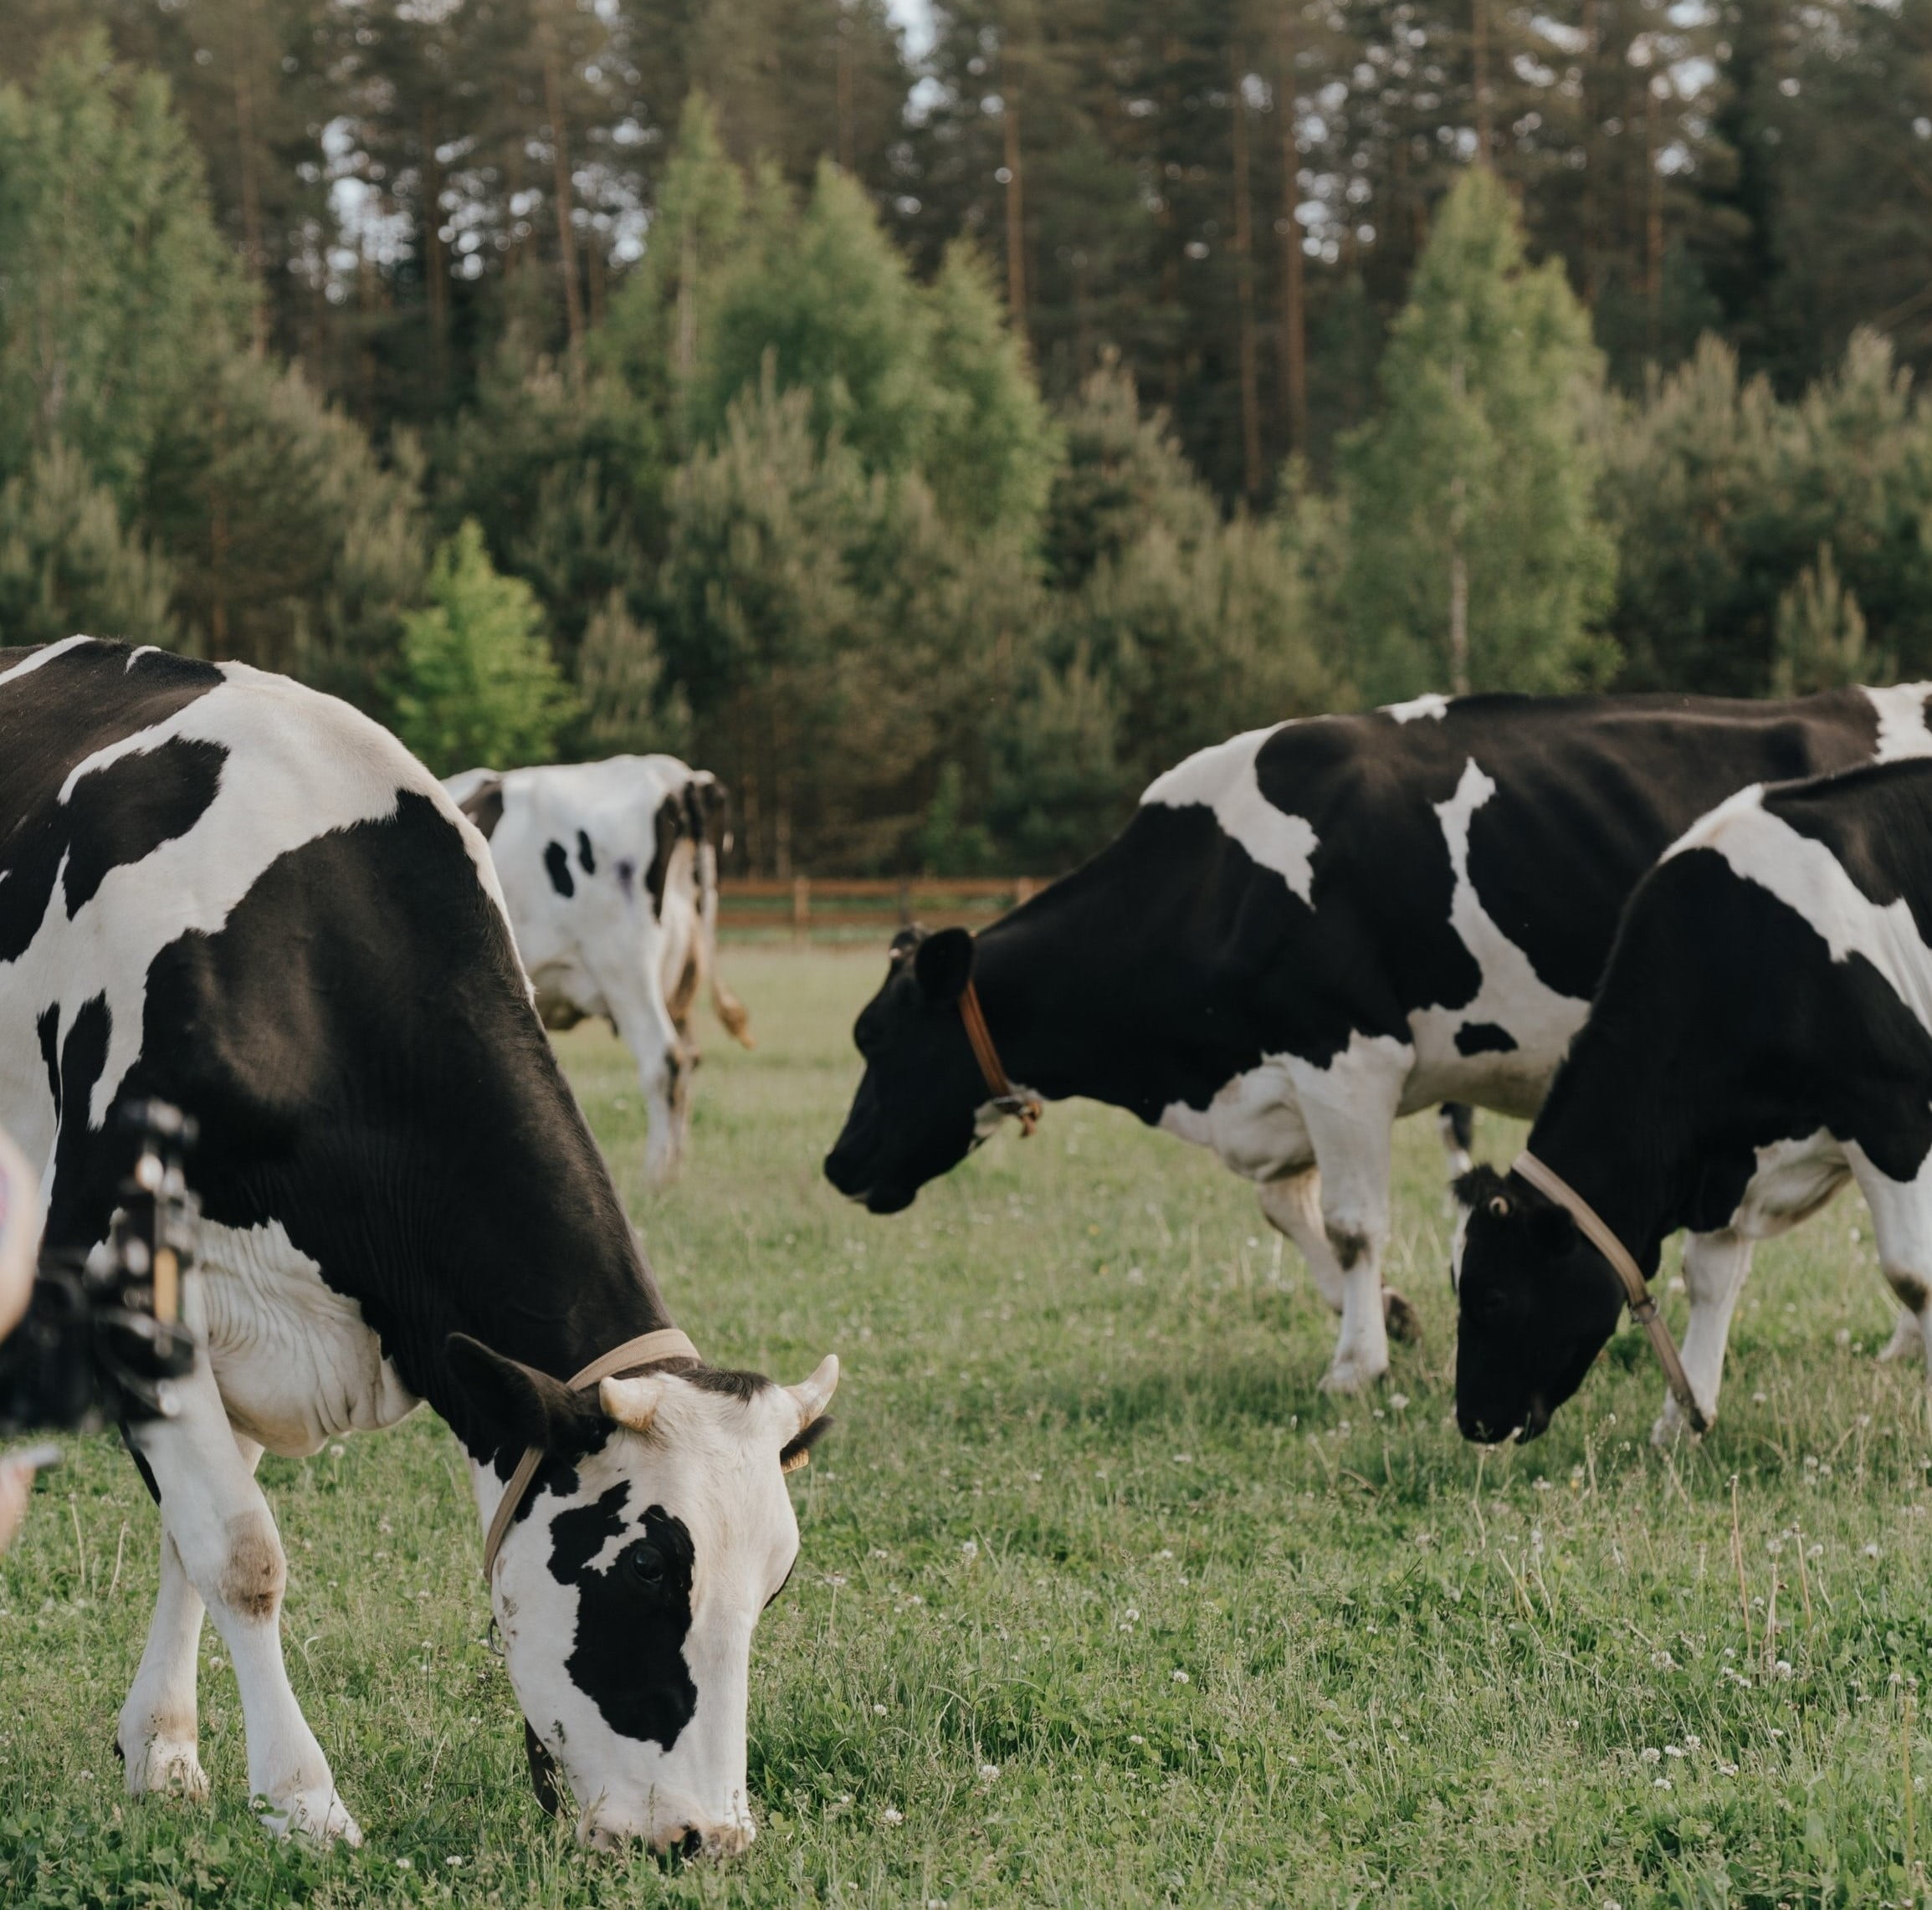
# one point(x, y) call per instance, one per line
point(543, 1772)
point(556, 860)
point(82, 1056)
point(1483, 1037)
point(47, 1026)
point(53, 718)
point(140, 1464)
point(578, 1535)
point(126, 810)
point(667, 826)
point(633, 1616)
point(585, 861)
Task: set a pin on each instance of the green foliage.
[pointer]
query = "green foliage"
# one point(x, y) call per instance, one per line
point(1476, 480)
point(991, 450)
point(67, 564)
point(1821, 634)
point(116, 296)
point(628, 707)
point(1723, 497)
point(478, 684)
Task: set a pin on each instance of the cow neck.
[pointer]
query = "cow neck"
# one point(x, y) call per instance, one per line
point(1069, 1006)
point(1606, 1131)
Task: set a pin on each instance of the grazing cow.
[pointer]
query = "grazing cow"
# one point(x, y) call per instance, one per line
point(610, 871)
point(1307, 931)
point(1763, 1034)
point(225, 890)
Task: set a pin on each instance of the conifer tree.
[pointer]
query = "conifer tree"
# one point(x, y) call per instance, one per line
point(1476, 559)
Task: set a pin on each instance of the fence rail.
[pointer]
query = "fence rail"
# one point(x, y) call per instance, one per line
point(808, 905)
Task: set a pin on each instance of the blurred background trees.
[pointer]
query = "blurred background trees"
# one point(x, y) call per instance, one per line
point(938, 432)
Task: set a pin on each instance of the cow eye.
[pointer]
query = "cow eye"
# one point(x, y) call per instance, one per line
point(645, 1564)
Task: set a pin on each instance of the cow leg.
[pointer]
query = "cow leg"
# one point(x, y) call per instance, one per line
point(1902, 1221)
point(1293, 1205)
point(1456, 1123)
point(221, 1530)
point(1716, 1267)
point(1349, 1108)
point(158, 1733)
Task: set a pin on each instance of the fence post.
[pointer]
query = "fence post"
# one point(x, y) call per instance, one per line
point(801, 907)
point(1025, 889)
point(904, 904)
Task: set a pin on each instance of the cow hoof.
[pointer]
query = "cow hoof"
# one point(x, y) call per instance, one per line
point(1669, 1427)
point(169, 1766)
point(1351, 1376)
point(1403, 1322)
point(320, 1815)
point(1907, 1342)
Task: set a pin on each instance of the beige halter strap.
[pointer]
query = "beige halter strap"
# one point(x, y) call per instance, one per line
point(668, 1343)
point(1636, 1289)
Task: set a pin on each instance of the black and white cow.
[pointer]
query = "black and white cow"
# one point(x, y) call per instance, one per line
point(222, 889)
point(610, 871)
point(1307, 931)
point(1763, 1035)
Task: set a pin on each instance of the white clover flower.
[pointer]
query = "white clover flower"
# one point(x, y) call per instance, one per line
point(1784, 1667)
point(1181, 1678)
point(1759, 1399)
point(1183, 1458)
point(1662, 1661)
point(1843, 1337)
point(1673, 1750)
point(1650, 1755)
point(1661, 1784)
point(970, 1551)
point(1398, 1402)
point(878, 1711)
point(1871, 1551)
point(1135, 1738)
point(405, 1863)
point(1726, 1770)
point(1691, 1740)
point(888, 1816)
point(1133, 1614)
point(1815, 1552)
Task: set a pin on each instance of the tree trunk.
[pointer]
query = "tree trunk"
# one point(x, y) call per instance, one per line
point(435, 259)
point(1654, 218)
point(845, 129)
point(1592, 153)
point(251, 203)
point(1480, 53)
point(1244, 287)
point(1016, 204)
point(1294, 338)
point(560, 165)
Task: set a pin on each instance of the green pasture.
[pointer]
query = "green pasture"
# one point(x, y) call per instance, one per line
point(1101, 1601)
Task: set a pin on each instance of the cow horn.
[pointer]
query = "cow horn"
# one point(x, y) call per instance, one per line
point(632, 1402)
point(814, 1394)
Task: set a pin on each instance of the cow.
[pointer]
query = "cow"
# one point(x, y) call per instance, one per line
point(221, 889)
point(610, 871)
point(1308, 931)
point(1763, 1035)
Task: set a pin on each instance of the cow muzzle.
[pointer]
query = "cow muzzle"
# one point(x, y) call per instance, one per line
point(670, 1833)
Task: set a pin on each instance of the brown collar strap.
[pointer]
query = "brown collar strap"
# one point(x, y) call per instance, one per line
point(668, 1343)
point(1636, 1289)
point(1007, 1098)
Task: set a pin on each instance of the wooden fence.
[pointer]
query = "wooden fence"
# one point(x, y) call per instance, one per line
point(858, 908)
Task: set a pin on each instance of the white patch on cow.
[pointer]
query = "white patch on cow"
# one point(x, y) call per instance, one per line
point(1431, 704)
point(710, 1460)
point(41, 657)
point(299, 765)
point(1222, 778)
point(296, 1362)
point(1511, 995)
point(1810, 881)
point(1902, 730)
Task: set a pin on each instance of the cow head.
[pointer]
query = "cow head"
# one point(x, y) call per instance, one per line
point(1537, 1303)
point(656, 1531)
point(915, 1113)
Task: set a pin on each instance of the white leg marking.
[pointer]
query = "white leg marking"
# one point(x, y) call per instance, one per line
point(1716, 1267)
point(1902, 1220)
point(158, 1733)
point(225, 1537)
point(1292, 1206)
point(1349, 1108)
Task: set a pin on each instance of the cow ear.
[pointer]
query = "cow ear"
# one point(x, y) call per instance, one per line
point(1475, 1189)
point(531, 1407)
point(484, 805)
point(945, 965)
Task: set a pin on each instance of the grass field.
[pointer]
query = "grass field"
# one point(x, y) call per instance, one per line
point(1101, 1602)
